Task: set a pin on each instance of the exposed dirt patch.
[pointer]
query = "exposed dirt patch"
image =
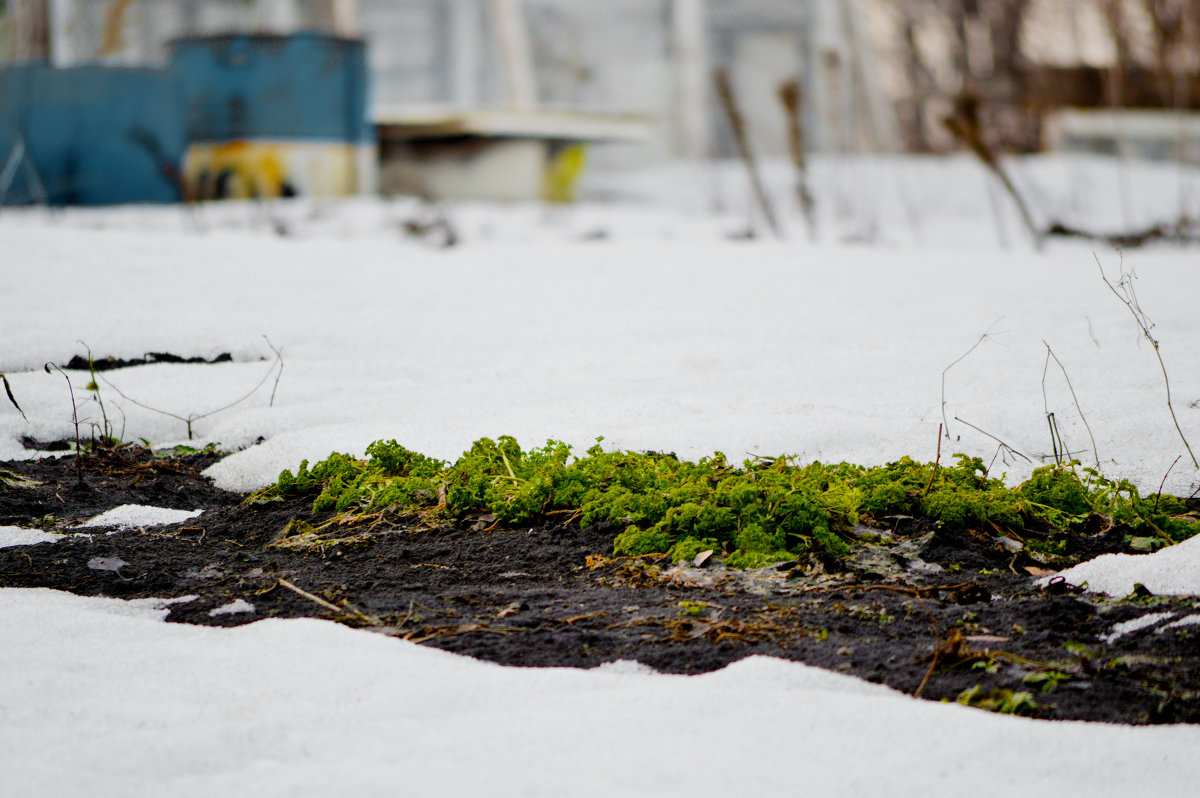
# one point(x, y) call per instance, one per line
point(937, 610)
point(82, 363)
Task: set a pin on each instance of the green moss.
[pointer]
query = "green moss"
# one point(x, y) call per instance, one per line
point(756, 559)
point(760, 512)
point(392, 459)
point(635, 541)
point(1058, 488)
point(688, 548)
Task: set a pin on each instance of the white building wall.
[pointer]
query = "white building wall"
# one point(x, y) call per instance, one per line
point(620, 56)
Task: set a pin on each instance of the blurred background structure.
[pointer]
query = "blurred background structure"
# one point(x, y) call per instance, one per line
point(499, 98)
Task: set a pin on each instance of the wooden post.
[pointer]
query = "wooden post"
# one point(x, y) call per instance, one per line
point(689, 31)
point(792, 98)
point(514, 50)
point(345, 17)
point(31, 29)
point(738, 127)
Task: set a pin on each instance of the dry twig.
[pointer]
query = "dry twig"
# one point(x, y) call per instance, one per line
point(1050, 354)
point(955, 362)
point(1128, 298)
point(792, 98)
point(966, 126)
point(1007, 448)
point(194, 417)
point(738, 127)
point(936, 464)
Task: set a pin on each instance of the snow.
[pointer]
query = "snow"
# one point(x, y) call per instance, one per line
point(307, 707)
point(17, 536)
point(1173, 571)
point(1135, 624)
point(127, 516)
point(1187, 620)
point(234, 607)
point(827, 351)
point(644, 321)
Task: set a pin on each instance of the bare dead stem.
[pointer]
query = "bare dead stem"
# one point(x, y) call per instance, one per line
point(1074, 398)
point(50, 368)
point(959, 359)
point(1164, 482)
point(1128, 297)
point(737, 127)
point(194, 417)
point(937, 463)
point(1007, 448)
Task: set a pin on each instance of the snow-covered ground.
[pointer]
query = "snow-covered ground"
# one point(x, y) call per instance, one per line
point(648, 321)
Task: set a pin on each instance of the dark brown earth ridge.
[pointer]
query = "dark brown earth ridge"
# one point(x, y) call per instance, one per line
point(940, 612)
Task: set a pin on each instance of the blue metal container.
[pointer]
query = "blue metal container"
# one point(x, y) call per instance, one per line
point(273, 115)
point(96, 135)
point(237, 115)
point(307, 86)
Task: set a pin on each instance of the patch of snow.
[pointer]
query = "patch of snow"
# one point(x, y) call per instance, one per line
point(20, 536)
point(1126, 627)
point(137, 515)
point(1173, 571)
point(245, 470)
point(1187, 620)
point(625, 666)
point(93, 699)
point(234, 607)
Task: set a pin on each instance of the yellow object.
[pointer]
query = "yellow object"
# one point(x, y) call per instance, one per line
point(564, 166)
point(245, 169)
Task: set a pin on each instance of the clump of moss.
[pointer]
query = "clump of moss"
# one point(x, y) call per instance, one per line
point(1160, 515)
point(760, 512)
point(688, 548)
point(957, 494)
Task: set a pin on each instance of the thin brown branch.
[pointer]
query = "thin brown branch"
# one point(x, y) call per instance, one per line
point(1129, 300)
point(1162, 484)
point(737, 127)
point(966, 125)
point(50, 368)
point(1074, 398)
point(960, 358)
point(792, 98)
point(1007, 448)
point(937, 463)
point(190, 419)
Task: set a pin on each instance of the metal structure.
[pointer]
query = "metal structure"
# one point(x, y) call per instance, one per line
point(95, 135)
point(230, 116)
point(271, 115)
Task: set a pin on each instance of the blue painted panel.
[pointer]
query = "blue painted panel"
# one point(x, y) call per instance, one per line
point(101, 135)
point(306, 86)
point(96, 135)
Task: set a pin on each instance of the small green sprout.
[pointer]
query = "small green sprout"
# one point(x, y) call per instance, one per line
point(999, 700)
point(1049, 679)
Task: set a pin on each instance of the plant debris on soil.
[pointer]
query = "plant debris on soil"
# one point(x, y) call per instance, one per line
point(944, 609)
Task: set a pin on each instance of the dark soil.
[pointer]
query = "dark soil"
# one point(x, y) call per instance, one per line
point(927, 610)
point(81, 363)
